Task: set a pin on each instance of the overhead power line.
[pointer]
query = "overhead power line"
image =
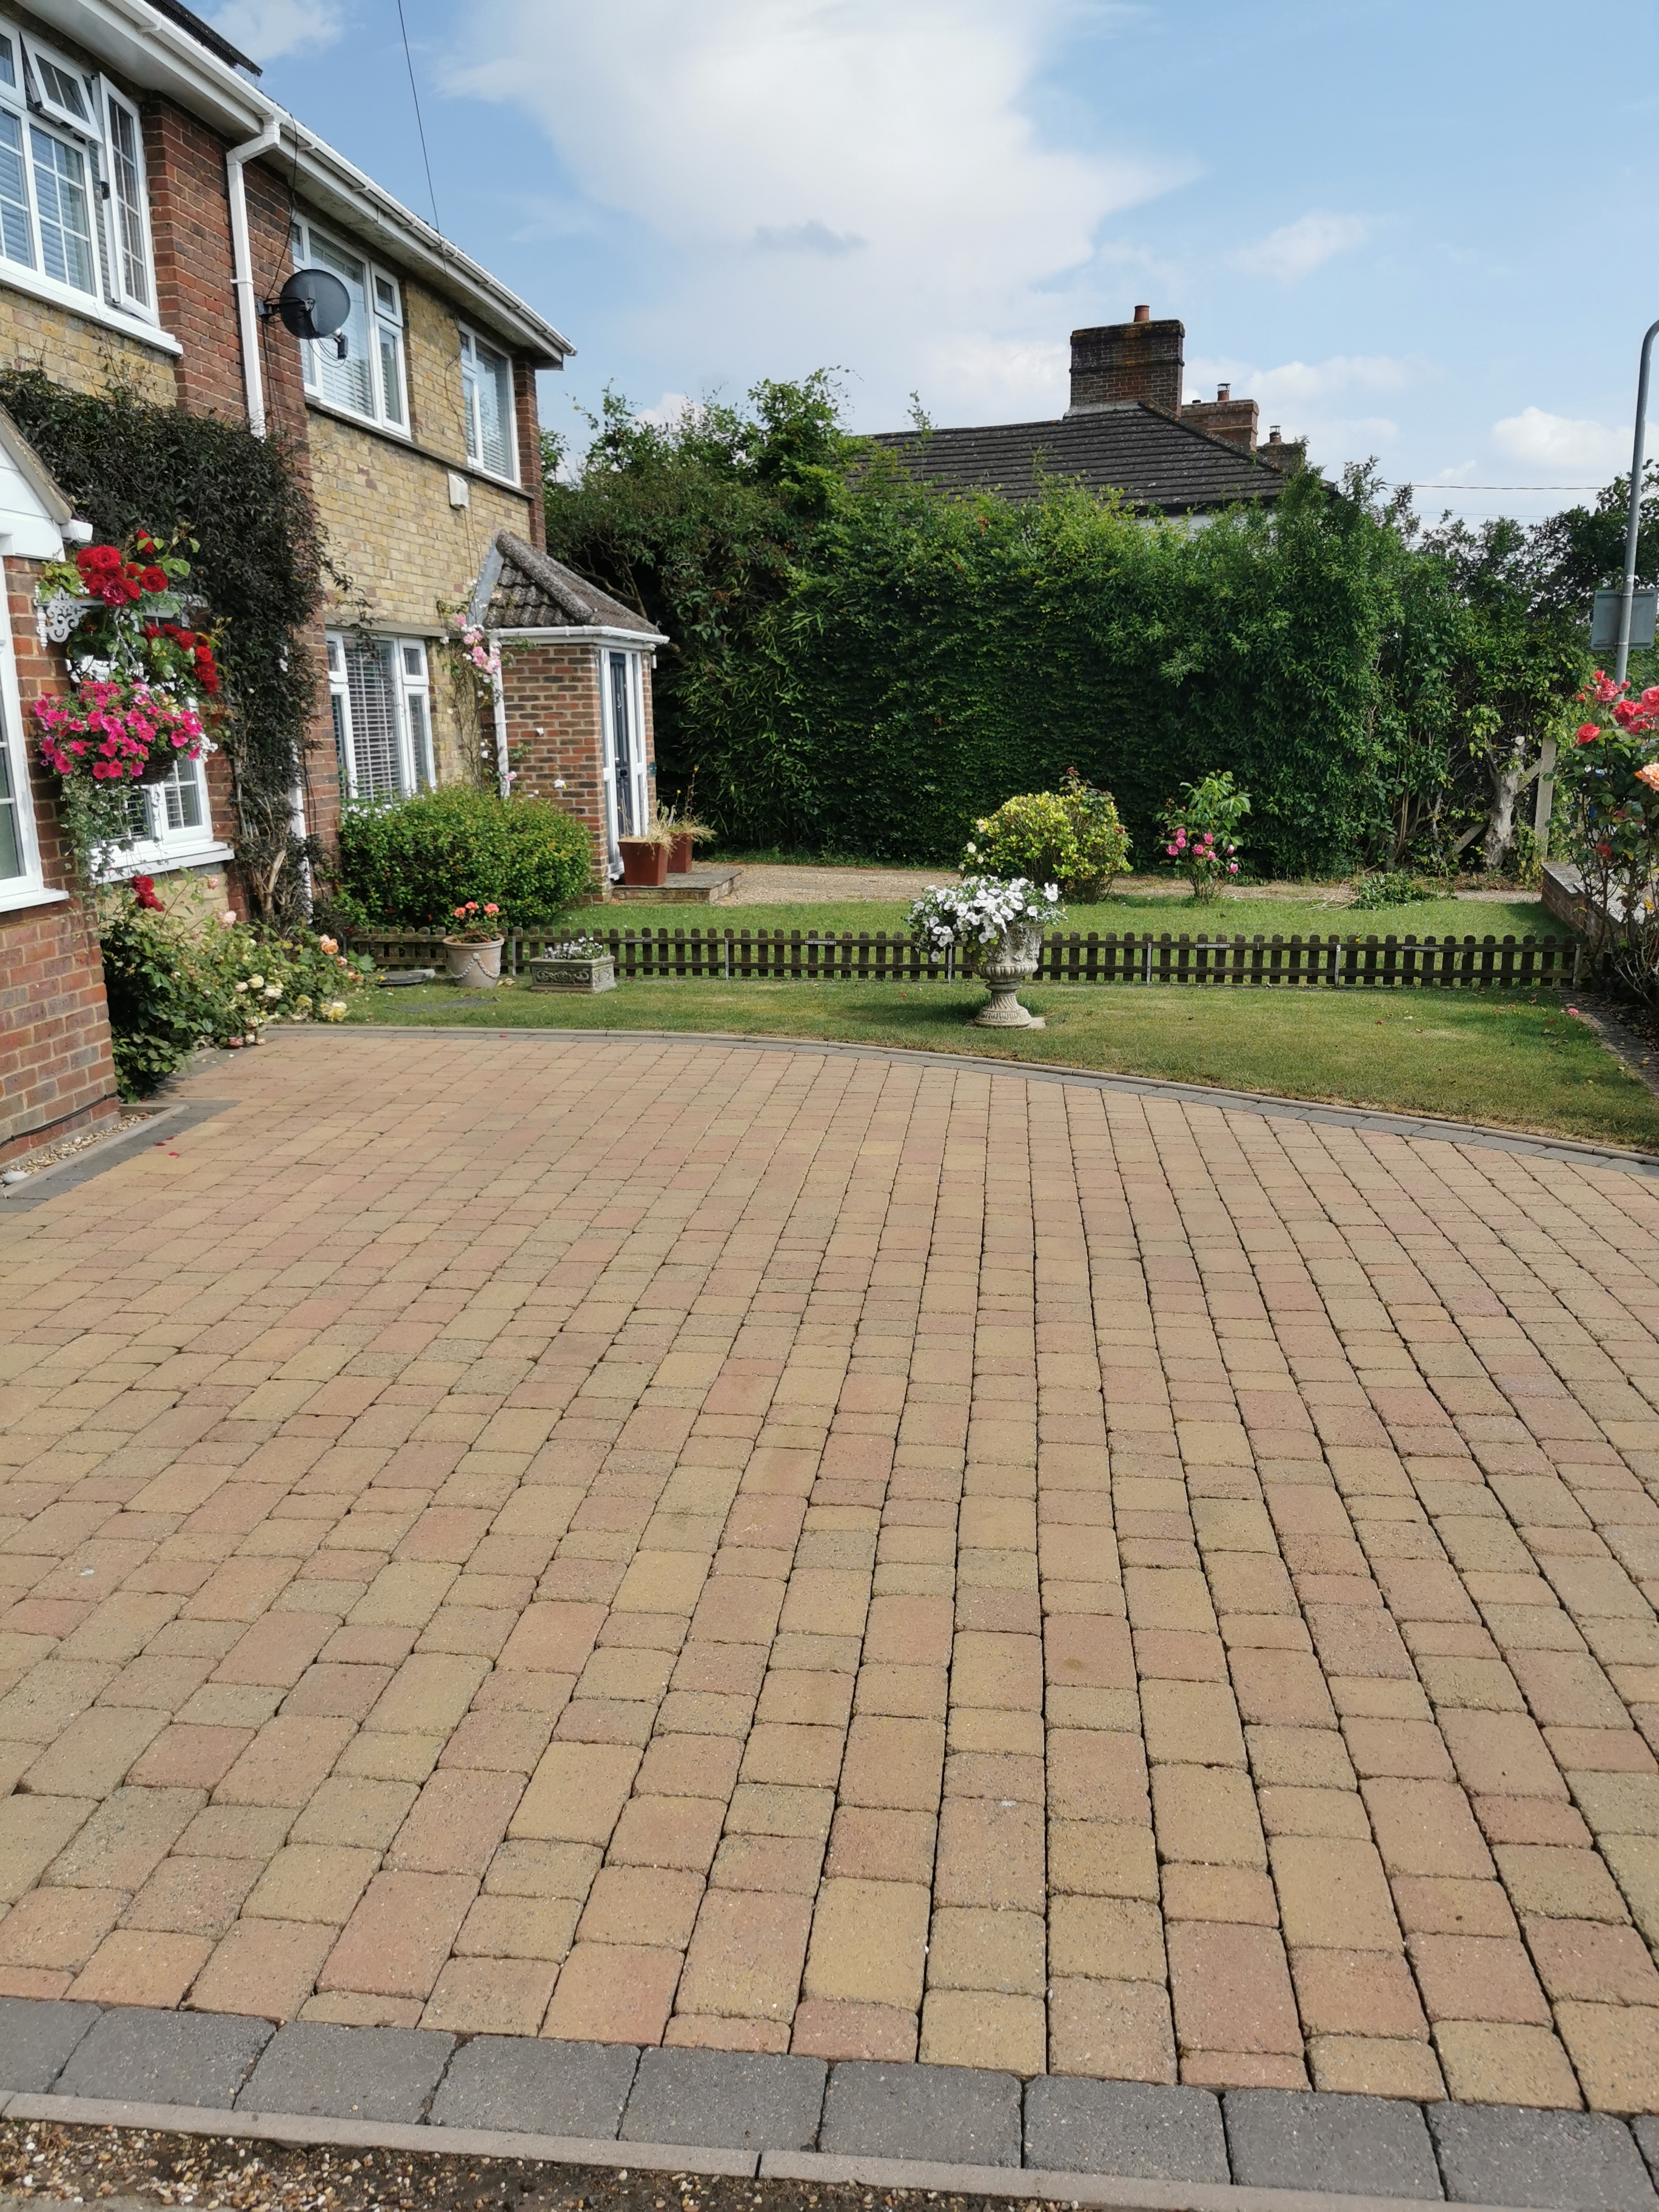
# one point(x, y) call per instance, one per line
point(414, 93)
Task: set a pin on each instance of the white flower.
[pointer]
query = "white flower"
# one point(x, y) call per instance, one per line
point(226, 918)
point(241, 987)
point(257, 981)
point(335, 1011)
point(273, 990)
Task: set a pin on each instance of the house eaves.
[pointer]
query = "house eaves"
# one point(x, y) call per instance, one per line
point(137, 42)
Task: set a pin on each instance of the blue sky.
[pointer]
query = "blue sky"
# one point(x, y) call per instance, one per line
point(1416, 229)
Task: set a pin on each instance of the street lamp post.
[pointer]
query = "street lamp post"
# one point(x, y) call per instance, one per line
point(1634, 523)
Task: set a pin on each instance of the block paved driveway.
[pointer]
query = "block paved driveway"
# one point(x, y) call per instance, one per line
point(664, 1542)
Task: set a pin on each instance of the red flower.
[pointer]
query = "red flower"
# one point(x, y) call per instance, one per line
point(185, 636)
point(204, 656)
point(154, 580)
point(1589, 733)
point(97, 560)
point(143, 889)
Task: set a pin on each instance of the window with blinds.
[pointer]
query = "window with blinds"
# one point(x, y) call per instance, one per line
point(376, 753)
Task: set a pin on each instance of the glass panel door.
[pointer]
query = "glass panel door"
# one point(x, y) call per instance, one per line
point(629, 796)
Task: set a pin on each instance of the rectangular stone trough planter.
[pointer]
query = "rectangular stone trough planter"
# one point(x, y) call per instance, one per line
point(549, 974)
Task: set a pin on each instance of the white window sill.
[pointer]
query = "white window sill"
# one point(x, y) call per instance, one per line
point(167, 860)
point(489, 476)
point(17, 278)
point(394, 431)
point(15, 897)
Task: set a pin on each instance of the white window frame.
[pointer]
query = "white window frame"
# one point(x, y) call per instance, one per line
point(35, 110)
point(639, 775)
point(140, 302)
point(409, 671)
point(470, 346)
point(166, 848)
point(383, 328)
point(29, 886)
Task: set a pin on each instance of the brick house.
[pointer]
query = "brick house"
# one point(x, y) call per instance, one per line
point(153, 202)
point(575, 698)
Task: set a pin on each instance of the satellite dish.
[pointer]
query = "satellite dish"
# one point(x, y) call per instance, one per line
point(313, 304)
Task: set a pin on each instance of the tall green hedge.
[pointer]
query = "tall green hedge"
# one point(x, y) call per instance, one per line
point(940, 653)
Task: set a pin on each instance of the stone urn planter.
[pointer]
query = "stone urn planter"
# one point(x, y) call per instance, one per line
point(679, 855)
point(476, 966)
point(644, 860)
point(1004, 967)
point(570, 971)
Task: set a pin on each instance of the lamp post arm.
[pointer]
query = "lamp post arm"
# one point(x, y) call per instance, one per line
point(1634, 525)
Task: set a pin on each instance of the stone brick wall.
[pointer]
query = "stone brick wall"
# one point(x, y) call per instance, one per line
point(80, 355)
point(57, 1077)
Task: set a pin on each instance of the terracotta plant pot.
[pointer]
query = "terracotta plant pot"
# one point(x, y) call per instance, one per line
point(477, 966)
point(679, 855)
point(643, 860)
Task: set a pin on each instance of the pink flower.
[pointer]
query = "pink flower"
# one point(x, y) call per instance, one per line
point(489, 909)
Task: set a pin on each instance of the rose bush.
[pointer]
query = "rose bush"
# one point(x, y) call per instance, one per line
point(181, 971)
point(1605, 783)
point(1198, 833)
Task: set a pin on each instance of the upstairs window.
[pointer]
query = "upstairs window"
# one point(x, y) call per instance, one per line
point(487, 403)
point(73, 206)
point(369, 382)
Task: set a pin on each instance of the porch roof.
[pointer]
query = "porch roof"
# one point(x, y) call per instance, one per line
point(521, 588)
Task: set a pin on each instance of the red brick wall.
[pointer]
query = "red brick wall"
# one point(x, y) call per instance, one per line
point(56, 1074)
point(554, 727)
point(552, 694)
point(529, 447)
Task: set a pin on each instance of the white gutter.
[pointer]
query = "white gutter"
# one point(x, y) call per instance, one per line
point(503, 780)
point(242, 262)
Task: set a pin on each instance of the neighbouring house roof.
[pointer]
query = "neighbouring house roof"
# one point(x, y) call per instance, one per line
point(1125, 445)
point(520, 588)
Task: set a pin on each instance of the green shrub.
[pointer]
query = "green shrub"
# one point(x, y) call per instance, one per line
point(180, 971)
point(1373, 893)
point(410, 864)
point(1072, 838)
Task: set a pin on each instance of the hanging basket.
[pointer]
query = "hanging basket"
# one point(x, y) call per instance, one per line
point(163, 759)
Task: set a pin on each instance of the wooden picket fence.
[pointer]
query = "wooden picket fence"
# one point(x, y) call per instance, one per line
point(776, 955)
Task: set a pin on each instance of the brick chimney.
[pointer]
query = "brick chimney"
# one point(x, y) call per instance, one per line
point(1287, 453)
point(1224, 417)
point(1119, 362)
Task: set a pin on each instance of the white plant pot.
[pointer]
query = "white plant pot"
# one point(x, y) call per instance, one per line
point(477, 966)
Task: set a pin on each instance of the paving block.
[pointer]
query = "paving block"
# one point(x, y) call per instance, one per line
point(1353, 2145)
point(961, 2115)
point(733, 2099)
point(152, 2057)
point(36, 2038)
point(348, 2073)
point(536, 2088)
point(1646, 2132)
point(1130, 2128)
point(1569, 2161)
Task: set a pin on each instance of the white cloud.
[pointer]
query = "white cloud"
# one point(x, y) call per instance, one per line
point(807, 238)
point(898, 128)
point(1299, 248)
point(1561, 441)
point(267, 30)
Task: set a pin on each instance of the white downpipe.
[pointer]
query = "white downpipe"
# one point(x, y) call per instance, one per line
point(501, 777)
point(242, 262)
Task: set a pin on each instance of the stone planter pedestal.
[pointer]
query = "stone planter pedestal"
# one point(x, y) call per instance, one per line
point(1009, 964)
point(551, 973)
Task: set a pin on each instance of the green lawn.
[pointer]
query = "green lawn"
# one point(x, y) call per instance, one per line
point(1236, 913)
point(1517, 1060)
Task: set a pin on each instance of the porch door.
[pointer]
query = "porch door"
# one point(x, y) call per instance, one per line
point(627, 798)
